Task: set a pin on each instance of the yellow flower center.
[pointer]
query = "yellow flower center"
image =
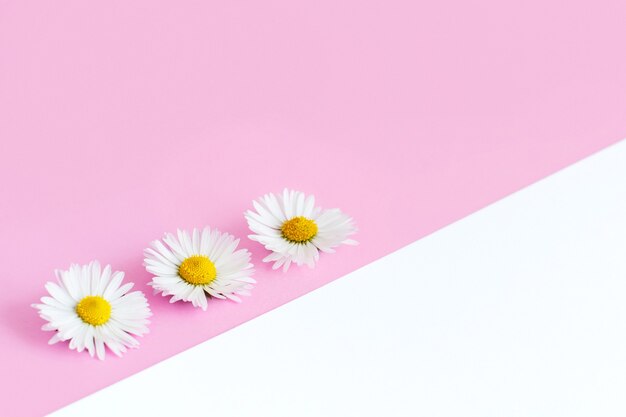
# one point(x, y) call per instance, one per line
point(197, 270)
point(94, 310)
point(299, 229)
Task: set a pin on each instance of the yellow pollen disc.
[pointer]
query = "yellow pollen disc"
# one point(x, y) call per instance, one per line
point(197, 270)
point(94, 310)
point(299, 229)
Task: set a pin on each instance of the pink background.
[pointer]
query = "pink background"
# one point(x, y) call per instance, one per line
point(121, 120)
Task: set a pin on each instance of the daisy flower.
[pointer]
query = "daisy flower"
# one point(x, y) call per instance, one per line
point(90, 308)
point(200, 264)
point(295, 230)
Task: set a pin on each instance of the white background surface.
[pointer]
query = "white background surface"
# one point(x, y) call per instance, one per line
point(517, 310)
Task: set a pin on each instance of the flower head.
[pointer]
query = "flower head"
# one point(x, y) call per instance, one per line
point(203, 263)
point(90, 308)
point(295, 230)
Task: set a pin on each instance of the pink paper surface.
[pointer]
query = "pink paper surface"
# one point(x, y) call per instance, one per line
point(122, 120)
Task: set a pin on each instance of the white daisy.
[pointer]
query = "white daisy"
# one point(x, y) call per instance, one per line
point(195, 264)
point(295, 230)
point(89, 308)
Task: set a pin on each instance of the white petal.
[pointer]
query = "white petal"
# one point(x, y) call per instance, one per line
point(116, 280)
point(195, 241)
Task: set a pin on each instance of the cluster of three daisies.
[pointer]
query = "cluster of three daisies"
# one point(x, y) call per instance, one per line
point(91, 308)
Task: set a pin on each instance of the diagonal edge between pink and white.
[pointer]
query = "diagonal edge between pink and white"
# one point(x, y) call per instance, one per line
point(517, 309)
point(125, 120)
